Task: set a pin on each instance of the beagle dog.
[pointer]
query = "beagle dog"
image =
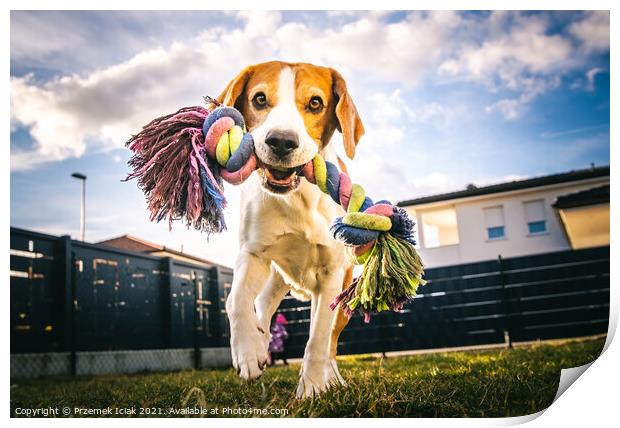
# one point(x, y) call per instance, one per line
point(292, 111)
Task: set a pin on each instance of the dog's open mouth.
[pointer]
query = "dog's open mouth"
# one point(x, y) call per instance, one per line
point(278, 179)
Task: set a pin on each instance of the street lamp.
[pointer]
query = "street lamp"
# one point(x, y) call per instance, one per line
point(83, 205)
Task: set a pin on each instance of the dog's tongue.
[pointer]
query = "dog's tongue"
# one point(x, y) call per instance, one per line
point(283, 178)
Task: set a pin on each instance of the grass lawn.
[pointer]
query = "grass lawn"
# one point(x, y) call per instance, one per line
point(457, 384)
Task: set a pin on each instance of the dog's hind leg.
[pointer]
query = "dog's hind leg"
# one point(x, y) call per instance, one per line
point(339, 323)
point(313, 375)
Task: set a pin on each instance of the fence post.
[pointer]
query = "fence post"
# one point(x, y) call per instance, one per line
point(213, 287)
point(74, 304)
point(69, 293)
point(507, 304)
point(219, 307)
point(167, 266)
point(197, 354)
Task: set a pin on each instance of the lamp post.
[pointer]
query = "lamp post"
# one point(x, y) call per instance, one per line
point(82, 177)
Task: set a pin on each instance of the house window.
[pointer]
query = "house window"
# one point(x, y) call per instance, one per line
point(536, 227)
point(535, 217)
point(495, 232)
point(494, 218)
point(439, 228)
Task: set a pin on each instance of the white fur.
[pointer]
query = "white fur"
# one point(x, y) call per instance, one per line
point(285, 116)
point(285, 244)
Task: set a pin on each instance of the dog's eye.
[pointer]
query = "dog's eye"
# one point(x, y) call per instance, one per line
point(316, 104)
point(259, 100)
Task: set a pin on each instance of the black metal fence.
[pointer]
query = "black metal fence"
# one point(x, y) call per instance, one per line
point(544, 296)
point(70, 298)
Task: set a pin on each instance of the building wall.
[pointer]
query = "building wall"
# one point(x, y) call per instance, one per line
point(473, 243)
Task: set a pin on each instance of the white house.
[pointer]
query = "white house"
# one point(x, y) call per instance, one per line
point(513, 219)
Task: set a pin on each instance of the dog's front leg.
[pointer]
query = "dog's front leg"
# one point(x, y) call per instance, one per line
point(314, 375)
point(247, 337)
point(268, 300)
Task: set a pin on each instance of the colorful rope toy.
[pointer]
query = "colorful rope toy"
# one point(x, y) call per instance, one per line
point(181, 159)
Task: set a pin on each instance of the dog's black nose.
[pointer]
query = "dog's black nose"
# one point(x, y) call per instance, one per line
point(282, 142)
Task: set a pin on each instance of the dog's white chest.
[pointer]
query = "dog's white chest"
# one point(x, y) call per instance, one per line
point(292, 232)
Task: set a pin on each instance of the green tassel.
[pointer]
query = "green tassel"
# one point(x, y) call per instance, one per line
point(391, 276)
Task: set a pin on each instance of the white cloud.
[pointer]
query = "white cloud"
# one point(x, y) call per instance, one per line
point(403, 50)
point(374, 168)
point(384, 116)
point(432, 112)
point(72, 114)
point(526, 59)
point(107, 105)
point(259, 23)
point(510, 108)
point(386, 107)
point(591, 75)
point(506, 55)
point(436, 183)
point(104, 107)
point(53, 128)
point(35, 38)
point(61, 42)
point(513, 108)
point(593, 31)
point(572, 131)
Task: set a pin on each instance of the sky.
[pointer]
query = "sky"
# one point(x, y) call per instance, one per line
point(447, 99)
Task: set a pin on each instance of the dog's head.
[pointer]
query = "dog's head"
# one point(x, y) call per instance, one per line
point(292, 111)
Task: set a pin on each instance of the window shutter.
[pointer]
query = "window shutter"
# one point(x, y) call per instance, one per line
point(494, 216)
point(534, 211)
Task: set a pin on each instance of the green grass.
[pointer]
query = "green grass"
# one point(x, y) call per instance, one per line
point(456, 384)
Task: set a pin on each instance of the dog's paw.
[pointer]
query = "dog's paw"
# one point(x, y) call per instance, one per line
point(249, 353)
point(332, 374)
point(312, 380)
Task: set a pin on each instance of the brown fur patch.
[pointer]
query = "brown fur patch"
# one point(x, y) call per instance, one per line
point(310, 81)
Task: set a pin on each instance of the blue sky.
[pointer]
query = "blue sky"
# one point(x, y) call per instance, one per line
point(447, 98)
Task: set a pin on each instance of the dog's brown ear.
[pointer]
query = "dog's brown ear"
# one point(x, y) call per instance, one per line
point(349, 121)
point(231, 94)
